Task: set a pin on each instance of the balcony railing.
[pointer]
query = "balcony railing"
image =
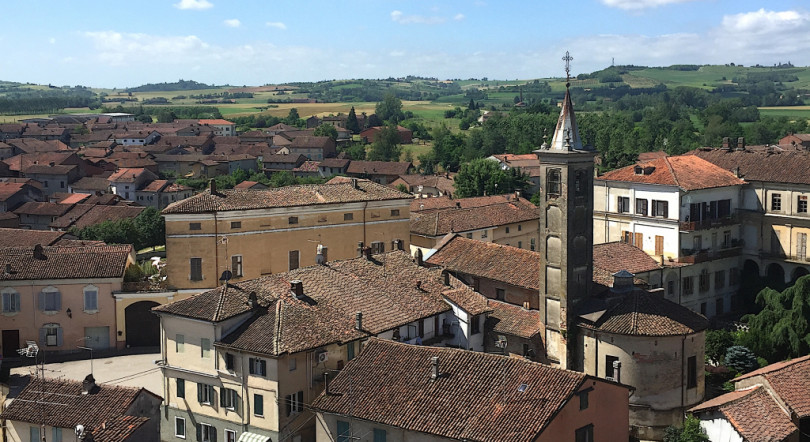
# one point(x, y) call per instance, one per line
point(691, 256)
point(690, 226)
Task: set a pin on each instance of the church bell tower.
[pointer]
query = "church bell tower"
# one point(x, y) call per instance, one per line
point(565, 239)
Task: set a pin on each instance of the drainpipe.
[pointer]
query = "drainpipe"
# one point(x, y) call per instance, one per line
point(596, 359)
point(683, 384)
point(216, 248)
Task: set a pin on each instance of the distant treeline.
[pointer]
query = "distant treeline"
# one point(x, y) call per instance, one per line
point(169, 113)
point(375, 90)
point(180, 85)
point(34, 101)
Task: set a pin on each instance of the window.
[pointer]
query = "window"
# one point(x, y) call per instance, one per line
point(205, 348)
point(670, 288)
point(51, 335)
point(583, 400)
point(697, 243)
point(507, 229)
point(292, 220)
point(344, 431)
point(500, 294)
point(533, 244)
point(584, 434)
point(641, 207)
point(380, 435)
point(90, 298)
point(50, 300)
point(196, 269)
point(11, 301)
point(727, 239)
point(691, 372)
point(57, 434)
point(34, 432)
point(703, 282)
point(292, 363)
point(236, 224)
point(484, 234)
point(194, 226)
point(230, 436)
point(180, 427)
point(377, 247)
point(623, 204)
point(688, 285)
point(801, 246)
point(580, 179)
point(295, 403)
point(205, 394)
point(723, 208)
point(230, 361)
point(181, 388)
point(776, 202)
point(660, 208)
point(258, 405)
point(257, 366)
point(394, 212)
point(180, 343)
point(475, 324)
point(293, 259)
point(719, 279)
point(801, 204)
point(733, 276)
point(659, 245)
point(520, 244)
point(350, 351)
point(703, 308)
point(718, 306)
point(469, 236)
point(229, 399)
point(553, 183)
point(236, 265)
point(348, 216)
point(206, 433)
point(609, 360)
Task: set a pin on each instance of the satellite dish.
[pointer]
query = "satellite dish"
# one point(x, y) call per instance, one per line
point(226, 276)
point(79, 430)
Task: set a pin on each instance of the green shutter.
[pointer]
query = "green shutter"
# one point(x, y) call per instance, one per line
point(181, 388)
point(350, 351)
point(258, 405)
point(379, 435)
point(199, 393)
point(344, 431)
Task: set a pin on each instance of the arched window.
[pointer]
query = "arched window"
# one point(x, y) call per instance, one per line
point(553, 183)
point(91, 298)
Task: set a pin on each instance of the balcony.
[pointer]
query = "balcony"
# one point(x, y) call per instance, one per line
point(691, 256)
point(691, 226)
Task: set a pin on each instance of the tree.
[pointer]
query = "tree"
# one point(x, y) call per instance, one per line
point(741, 359)
point(293, 119)
point(717, 342)
point(780, 330)
point(374, 121)
point(148, 229)
point(351, 122)
point(482, 176)
point(386, 145)
point(166, 116)
point(691, 432)
point(326, 130)
point(283, 178)
point(390, 109)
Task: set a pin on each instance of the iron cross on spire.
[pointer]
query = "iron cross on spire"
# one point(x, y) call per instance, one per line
point(567, 59)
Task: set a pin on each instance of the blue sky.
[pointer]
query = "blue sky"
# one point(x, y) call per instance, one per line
point(255, 42)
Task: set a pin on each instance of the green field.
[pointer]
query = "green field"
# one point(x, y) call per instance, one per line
point(792, 112)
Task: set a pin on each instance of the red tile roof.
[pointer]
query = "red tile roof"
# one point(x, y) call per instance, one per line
point(28, 238)
point(615, 256)
point(83, 215)
point(790, 380)
point(687, 172)
point(753, 413)
point(42, 209)
point(443, 202)
point(379, 167)
point(129, 175)
point(308, 166)
point(441, 222)
point(468, 300)
point(475, 398)
point(218, 122)
point(64, 262)
point(290, 196)
point(775, 166)
point(514, 320)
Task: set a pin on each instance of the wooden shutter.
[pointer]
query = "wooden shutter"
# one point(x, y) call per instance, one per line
point(263, 367)
point(199, 431)
point(223, 394)
point(639, 240)
point(41, 301)
point(199, 393)
point(659, 245)
point(252, 364)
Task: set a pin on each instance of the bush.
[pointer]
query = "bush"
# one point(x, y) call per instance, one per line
point(741, 359)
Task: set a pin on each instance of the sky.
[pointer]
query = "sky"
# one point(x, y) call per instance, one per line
point(256, 42)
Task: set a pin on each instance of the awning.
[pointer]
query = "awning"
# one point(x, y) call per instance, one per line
point(253, 437)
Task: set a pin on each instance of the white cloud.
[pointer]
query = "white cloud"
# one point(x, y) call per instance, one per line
point(640, 4)
point(458, 17)
point(52, 40)
point(403, 19)
point(194, 4)
point(276, 24)
point(233, 23)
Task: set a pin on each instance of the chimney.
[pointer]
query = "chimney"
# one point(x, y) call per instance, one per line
point(354, 183)
point(622, 282)
point(419, 285)
point(39, 253)
point(741, 143)
point(434, 364)
point(252, 301)
point(89, 384)
point(358, 320)
point(320, 256)
point(212, 184)
point(446, 276)
point(297, 287)
point(737, 172)
point(726, 142)
point(360, 248)
point(458, 204)
point(367, 253)
point(617, 371)
point(419, 259)
point(8, 269)
point(326, 383)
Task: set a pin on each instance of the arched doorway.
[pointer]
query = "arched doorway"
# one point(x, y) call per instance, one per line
point(775, 277)
point(750, 268)
point(798, 272)
point(143, 326)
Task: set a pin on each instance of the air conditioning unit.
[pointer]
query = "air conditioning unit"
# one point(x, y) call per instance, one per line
point(323, 357)
point(50, 340)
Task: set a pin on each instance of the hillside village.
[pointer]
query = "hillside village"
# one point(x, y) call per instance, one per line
point(361, 300)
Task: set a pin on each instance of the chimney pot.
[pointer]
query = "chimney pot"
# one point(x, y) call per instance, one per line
point(212, 184)
point(617, 371)
point(367, 253)
point(360, 248)
point(88, 384)
point(434, 363)
point(297, 287)
point(420, 261)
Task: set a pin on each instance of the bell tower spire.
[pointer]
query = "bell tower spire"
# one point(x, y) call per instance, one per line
point(566, 134)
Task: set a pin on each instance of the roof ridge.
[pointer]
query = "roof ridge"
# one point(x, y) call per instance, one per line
point(672, 171)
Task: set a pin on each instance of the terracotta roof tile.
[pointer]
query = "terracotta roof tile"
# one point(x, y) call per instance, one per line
point(64, 262)
point(467, 299)
point(92, 183)
point(390, 383)
point(790, 380)
point(28, 238)
point(441, 222)
point(42, 209)
point(379, 167)
point(510, 319)
point(40, 402)
point(776, 166)
point(83, 215)
point(308, 166)
point(615, 256)
point(444, 202)
point(290, 196)
point(688, 172)
point(754, 414)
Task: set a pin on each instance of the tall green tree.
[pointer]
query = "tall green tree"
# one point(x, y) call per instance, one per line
point(781, 329)
point(326, 130)
point(690, 432)
point(390, 109)
point(482, 176)
point(386, 145)
point(351, 122)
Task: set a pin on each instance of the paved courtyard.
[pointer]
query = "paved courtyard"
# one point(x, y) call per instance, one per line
point(130, 371)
